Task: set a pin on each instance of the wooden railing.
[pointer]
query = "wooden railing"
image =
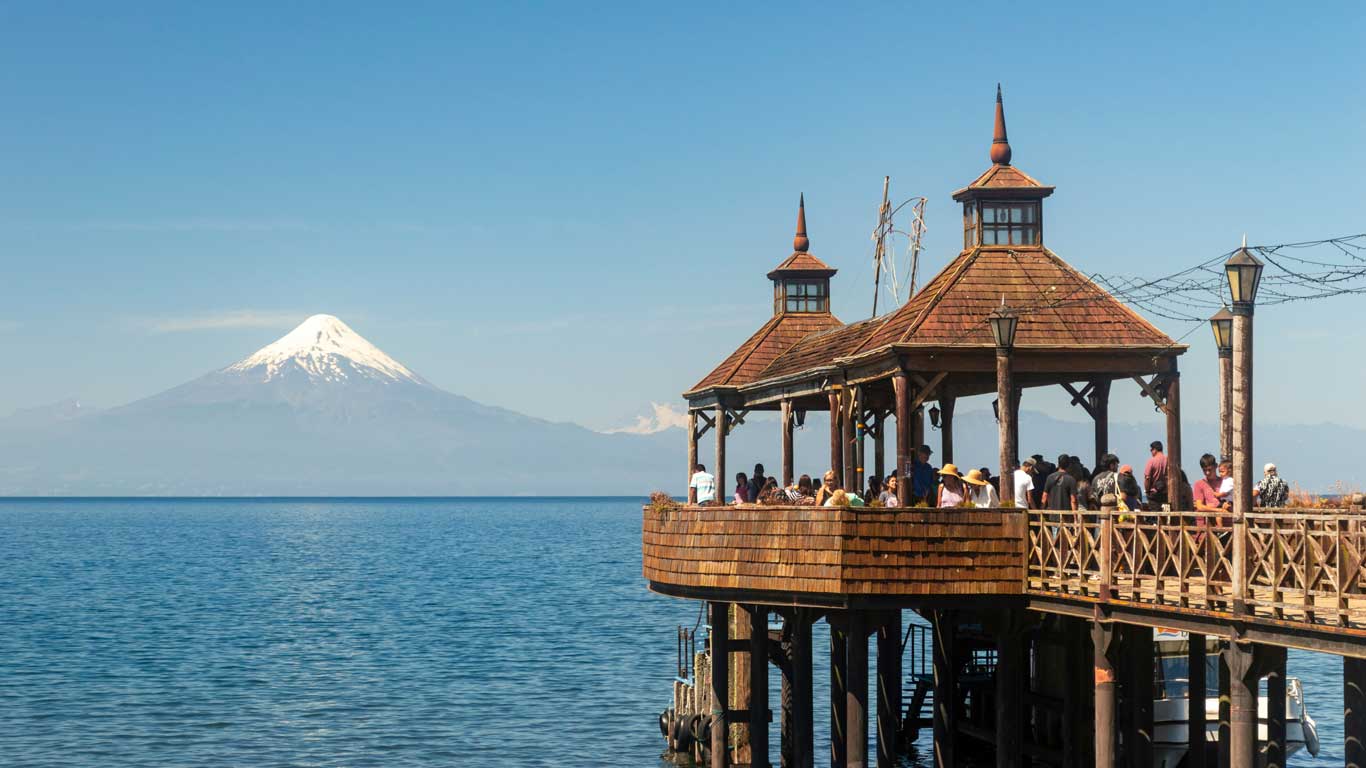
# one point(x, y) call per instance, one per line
point(1302, 566)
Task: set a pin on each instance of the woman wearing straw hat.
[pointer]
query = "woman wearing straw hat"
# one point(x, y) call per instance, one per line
point(951, 491)
point(980, 491)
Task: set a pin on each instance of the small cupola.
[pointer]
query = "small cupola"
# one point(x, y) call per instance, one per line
point(801, 284)
point(1004, 206)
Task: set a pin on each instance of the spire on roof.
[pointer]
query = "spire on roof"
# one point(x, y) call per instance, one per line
point(1000, 146)
point(801, 242)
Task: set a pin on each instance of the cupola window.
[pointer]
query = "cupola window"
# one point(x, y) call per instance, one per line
point(1010, 223)
point(802, 296)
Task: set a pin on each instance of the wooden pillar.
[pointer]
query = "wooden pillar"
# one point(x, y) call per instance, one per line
point(880, 445)
point(1100, 411)
point(901, 387)
point(1102, 640)
point(1138, 689)
point(836, 437)
point(720, 682)
point(1173, 411)
point(1005, 427)
point(1242, 451)
point(740, 695)
point(1222, 747)
point(888, 688)
point(917, 428)
point(848, 420)
point(1010, 690)
point(1273, 660)
point(722, 482)
point(692, 455)
point(800, 730)
point(1226, 404)
point(946, 429)
point(758, 686)
point(945, 628)
point(856, 691)
point(787, 443)
point(1196, 725)
point(1242, 688)
point(1354, 711)
point(839, 654)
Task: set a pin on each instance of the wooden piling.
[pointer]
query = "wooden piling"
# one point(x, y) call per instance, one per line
point(1102, 640)
point(1273, 662)
point(758, 686)
point(1354, 711)
point(1010, 690)
point(741, 628)
point(720, 682)
point(839, 647)
point(945, 628)
point(1196, 726)
point(1222, 748)
point(799, 661)
point(856, 691)
point(889, 682)
point(1138, 730)
point(1242, 676)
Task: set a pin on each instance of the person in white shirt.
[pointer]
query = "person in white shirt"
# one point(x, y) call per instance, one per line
point(1024, 484)
point(981, 492)
point(704, 484)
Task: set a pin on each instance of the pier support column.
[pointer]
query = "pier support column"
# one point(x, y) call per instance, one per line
point(720, 682)
point(839, 652)
point(946, 429)
point(1354, 711)
point(1242, 688)
point(1272, 660)
point(945, 627)
point(740, 628)
point(905, 434)
point(888, 688)
point(856, 691)
point(787, 444)
point(798, 736)
point(1222, 748)
point(1196, 726)
point(1010, 690)
point(758, 686)
point(1103, 642)
point(836, 436)
point(1138, 689)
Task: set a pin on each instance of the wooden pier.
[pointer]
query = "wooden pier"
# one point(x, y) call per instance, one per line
point(1042, 622)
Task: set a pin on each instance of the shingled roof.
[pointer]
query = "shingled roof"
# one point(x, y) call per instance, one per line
point(775, 337)
point(821, 348)
point(1059, 306)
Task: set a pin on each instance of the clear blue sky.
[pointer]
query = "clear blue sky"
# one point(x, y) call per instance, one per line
point(569, 210)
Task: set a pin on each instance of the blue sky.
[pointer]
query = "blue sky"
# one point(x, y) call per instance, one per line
point(568, 210)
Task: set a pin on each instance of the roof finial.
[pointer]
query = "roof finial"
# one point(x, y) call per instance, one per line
point(1000, 146)
point(801, 243)
point(1244, 241)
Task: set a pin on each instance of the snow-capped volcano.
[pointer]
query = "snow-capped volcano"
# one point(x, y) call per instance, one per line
point(326, 349)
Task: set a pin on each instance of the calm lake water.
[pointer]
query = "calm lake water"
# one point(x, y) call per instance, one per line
point(353, 633)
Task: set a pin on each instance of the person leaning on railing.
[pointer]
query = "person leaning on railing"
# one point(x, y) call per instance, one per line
point(1272, 491)
point(1206, 492)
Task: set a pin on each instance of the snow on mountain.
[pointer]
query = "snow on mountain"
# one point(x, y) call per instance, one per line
point(326, 349)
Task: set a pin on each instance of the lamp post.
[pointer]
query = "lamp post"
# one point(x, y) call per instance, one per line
point(1222, 325)
point(1244, 272)
point(1003, 323)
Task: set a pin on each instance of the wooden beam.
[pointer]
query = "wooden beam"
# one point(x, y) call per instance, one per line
point(927, 388)
point(1079, 396)
point(1151, 393)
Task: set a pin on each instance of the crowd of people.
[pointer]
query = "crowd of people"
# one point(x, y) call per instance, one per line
point(1036, 483)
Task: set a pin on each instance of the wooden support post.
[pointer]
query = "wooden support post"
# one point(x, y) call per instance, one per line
point(901, 387)
point(1174, 437)
point(722, 427)
point(856, 688)
point(945, 628)
point(1100, 412)
point(1354, 711)
point(848, 421)
point(720, 682)
point(787, 444)
point(740, 695)
point(1196, 726)
point(1242, 688)
point(1226, 404)
point(1222, 750)
point(1010, 690)
point(880, 446)
point(1138, 731)
point(836, 437)
point(692, 455)
point(917, 428)
point(1242, 451)
point(1272, 662)
point(888, 688)
point(758, 686)
point(1102, 640)
point(802, 752)
point(839, 653)
point(946, 429)
point(1005, 427)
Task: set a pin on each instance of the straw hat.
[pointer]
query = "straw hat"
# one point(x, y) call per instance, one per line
point(974, 477)
point(950, 469)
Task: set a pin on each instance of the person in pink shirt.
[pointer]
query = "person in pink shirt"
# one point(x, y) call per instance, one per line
point(1206, 490)
point(1155, 476)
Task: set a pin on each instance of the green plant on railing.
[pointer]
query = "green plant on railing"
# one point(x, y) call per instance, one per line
point(661, 502)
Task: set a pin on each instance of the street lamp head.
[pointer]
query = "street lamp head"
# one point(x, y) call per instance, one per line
point(934, 416)
point(1003, 322)
point(1222, 325)
point(1244, 273)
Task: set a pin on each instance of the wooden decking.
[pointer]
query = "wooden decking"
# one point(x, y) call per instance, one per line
point(827, 554)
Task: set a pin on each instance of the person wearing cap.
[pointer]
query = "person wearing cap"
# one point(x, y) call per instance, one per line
point(922, 475)
point(1024, 484)
point(980, 490)
point(1128, 487)
point(951, 491)
point(1272, 491)
point(1042, 469)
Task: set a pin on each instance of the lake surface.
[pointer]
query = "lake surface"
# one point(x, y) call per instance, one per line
point(470, 632)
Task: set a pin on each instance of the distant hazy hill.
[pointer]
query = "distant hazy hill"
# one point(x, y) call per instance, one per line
point(324, 412)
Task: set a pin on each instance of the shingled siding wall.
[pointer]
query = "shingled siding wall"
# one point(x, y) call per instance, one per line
point(823, 550)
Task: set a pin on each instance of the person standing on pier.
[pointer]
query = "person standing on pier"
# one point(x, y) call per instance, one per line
point(1128, 488)
point(757, 481)
point(1024, 482)
point(1272, 491)
point(1206, 490)
point(1043, 469)
point(1060, 490)
point(1155, 475)
point(742, 494)
point(922, 476)
point(951, 492)
point(705, 485)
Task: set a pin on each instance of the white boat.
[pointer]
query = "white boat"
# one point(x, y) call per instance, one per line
point(1170, 708)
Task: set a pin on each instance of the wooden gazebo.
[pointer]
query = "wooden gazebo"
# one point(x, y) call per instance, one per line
point(937, 347)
